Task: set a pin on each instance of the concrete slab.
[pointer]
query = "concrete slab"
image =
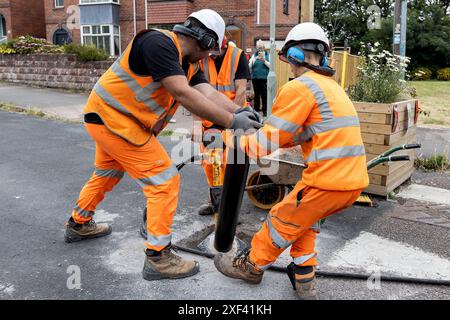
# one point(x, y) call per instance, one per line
point(425, 193)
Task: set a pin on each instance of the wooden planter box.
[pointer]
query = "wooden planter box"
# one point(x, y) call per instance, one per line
point(383, 126)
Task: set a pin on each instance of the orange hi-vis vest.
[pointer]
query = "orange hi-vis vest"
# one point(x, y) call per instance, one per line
point(224, 80)
point(134, 107)
point(315, 112)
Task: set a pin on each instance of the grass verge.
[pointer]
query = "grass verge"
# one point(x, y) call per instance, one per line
point(34, 112)
point(436, 162)
point(434, 97)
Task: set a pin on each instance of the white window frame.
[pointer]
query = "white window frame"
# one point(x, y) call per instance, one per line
point(111, 34)
point(55, 2)
point(83, 3)
point(3, 37)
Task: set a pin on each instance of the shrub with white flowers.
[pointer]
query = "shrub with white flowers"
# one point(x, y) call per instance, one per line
point(379, 76)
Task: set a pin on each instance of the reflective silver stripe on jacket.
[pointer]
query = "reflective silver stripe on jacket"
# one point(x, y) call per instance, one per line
point(336, 153)
point(141, 94)
point(282, 124)
point(326, 125)
point(302, 259)
point(109, 99)
point(206, 69)
point(158, 179)
point(322, 103)
point(83, 213)
point(225, 88)
point(265, 267)
point(234, 57)
point(110, 173)
point(159, 241)
point(265, 142)
point(277, 239)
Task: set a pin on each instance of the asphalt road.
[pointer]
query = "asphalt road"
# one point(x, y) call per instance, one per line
point(43, 165)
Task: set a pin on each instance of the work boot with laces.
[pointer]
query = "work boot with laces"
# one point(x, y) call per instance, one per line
point(303, 281)
point(89, 230)
point(206, 209)
point(165, 264)
point(238, 267)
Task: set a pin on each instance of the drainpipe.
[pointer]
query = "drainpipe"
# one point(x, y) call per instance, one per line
point(146, 14)
point(272, 78)
point(134, 17)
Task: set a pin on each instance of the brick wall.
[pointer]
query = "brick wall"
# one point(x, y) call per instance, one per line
point(28, 18)
point(6, 12)
point(169, 11)
point(24, 17)
point(67, 18)
point(53, 71)
point(127, 20)
point(241, 13)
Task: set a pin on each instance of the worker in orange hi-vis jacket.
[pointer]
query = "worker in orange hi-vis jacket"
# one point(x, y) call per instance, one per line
point(129, 106)
point(315, 112)
point(228, 73)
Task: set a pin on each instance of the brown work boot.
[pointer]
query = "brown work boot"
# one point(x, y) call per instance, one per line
point(206, 209)
point(165, 264)
point(89, 230)
point(239, 267)
point(303, 281)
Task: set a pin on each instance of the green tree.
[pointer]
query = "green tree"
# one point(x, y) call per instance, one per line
point(428, 27)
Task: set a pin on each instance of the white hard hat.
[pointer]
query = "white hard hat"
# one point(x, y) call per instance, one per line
point(212, 20)
point(303, 32)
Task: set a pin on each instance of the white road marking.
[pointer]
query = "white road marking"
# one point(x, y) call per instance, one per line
point(7, 288)
point(425, 193)
point(370, 252)
point(104, 216)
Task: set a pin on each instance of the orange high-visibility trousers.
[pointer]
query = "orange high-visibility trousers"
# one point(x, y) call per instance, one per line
point(152, 169)
point(295, 222)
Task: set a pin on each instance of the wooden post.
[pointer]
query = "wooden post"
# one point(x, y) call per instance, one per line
point(306, 11)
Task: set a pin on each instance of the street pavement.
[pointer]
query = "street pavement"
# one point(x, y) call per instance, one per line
point(43, 165)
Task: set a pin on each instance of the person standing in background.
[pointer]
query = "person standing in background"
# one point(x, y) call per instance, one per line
point(259, 65)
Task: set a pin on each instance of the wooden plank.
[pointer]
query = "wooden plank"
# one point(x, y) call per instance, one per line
point(373, 148)
point(387, 179)
point(394, 139)
point(373, 138)
point(376, 128)
point(399, 174)
point(369, 117)
point(376, 189)
point(374, 118)
point(390, 167)
point(383, 108)
point(387, 169)
point(376, 179)
point(383, 128)
point(384, 190)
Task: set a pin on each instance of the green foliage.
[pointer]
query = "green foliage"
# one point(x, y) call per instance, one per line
point(6, 49)
point(378, 76)
point(443, 74)
point(428, 28)
point(419, 74)
point(29, 44)
point(86, 53)
point(437, 162)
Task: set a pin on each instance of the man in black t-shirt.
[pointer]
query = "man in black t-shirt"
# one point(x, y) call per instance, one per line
point(129, 105)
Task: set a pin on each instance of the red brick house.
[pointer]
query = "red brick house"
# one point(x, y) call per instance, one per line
point(21, 17)
point(111, 24)
point(246, 20)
